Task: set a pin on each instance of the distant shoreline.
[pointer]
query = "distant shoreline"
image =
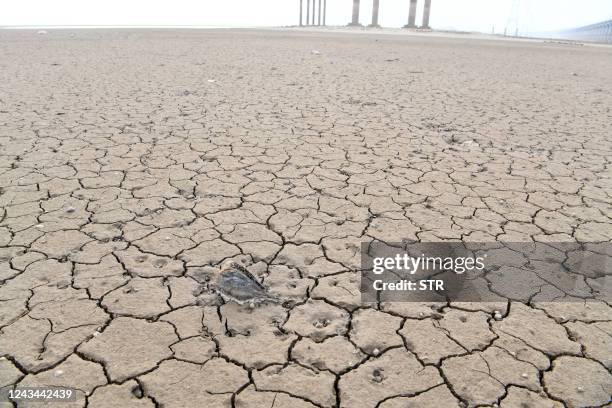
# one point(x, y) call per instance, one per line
point(317, 29)
point(60, 27)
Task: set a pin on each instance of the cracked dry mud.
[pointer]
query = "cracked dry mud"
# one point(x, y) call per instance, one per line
point(133, 162)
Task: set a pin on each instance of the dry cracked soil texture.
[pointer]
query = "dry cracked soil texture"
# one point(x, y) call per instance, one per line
point(133, 162)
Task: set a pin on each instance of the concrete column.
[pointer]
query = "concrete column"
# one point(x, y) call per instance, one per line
point(301, 9)
point(324, 10)
point(355, 19)
point(308, 12)
point(426, 11)
point(375, 4)
point(319, 15)
point(412, 14)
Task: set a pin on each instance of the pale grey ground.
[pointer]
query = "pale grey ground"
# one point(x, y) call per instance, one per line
point(132, 162)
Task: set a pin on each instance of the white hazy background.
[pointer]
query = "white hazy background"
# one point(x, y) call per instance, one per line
point(523, 17)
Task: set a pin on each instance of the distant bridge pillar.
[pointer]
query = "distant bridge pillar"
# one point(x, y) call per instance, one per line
point(426, 11)
point(324, 10)
point(375, 4)
point(319, 15)
point(301, 10)
point(355, 19)
point(308, 12)
point(412, 14)
point(313, 11)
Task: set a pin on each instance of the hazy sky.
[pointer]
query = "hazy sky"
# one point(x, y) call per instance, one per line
point(474, 15)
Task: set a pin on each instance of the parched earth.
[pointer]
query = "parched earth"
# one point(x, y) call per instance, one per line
point(133, 162)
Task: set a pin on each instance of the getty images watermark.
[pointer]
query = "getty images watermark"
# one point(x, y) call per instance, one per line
point(485, 272)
